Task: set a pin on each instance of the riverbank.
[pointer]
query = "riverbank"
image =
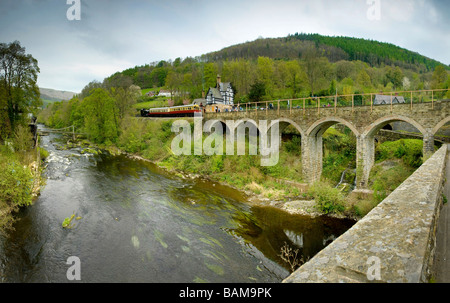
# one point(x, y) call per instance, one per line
point(20, 182)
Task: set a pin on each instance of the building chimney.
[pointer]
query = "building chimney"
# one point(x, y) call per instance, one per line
point(218, 81)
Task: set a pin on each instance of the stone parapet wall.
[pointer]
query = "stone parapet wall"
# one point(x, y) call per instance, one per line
point(394, 242)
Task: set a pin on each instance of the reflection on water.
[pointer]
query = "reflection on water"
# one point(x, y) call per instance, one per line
point(139, 224)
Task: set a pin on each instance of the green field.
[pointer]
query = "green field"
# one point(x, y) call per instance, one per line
point(160, 102)
point(151, 101)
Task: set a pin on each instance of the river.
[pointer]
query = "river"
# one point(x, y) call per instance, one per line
point(138, 223)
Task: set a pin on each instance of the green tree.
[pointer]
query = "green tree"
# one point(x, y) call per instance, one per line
point(124, 99)
point(100, 116)
point(210, 72)
point(316, 68)
point(257, 91)
point(294, 71)
point(19, 91)
point(363, 80)
point(439, 77)
point(395, 76)
point(265, 74)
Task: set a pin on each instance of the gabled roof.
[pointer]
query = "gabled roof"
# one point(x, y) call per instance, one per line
point(386, 99)
point(224, 86)
point(215, 93)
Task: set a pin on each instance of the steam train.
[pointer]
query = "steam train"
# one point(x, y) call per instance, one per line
point(174, 111)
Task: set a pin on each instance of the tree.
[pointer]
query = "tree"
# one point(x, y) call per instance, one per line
point(100, 116)
point(257, 91)
point(173, 82)
point(18, 77)
point(265, 73)
point(439, 77)
point(294, 71)
point(395, 76)
point(124, 98)
point(210, 75)
point(315, 66)
point(363, 80)
point(89, 88)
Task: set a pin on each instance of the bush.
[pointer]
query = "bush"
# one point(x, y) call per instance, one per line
point(387, 180)
point(409, 150)
point(16, 182)
point(328, 199)
point(294, 145)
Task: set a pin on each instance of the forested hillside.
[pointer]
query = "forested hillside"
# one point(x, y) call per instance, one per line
point(374, 53)
point(295, 66)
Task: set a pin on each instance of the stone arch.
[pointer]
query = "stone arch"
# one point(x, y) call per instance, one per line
point(312, 146)
point(380, 123)
point(366, 145)
point(237, 123)
point(225, 127)
point(440, 124)
point(284, 122)
point(320, 126)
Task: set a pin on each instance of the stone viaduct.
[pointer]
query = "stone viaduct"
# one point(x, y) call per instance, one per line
point(364, 122)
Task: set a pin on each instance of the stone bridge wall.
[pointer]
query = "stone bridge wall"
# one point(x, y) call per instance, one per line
point(398, 235)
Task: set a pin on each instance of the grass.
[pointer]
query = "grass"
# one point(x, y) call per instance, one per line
point(156, 102)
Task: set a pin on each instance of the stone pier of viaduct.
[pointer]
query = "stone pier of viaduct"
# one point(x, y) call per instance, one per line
point(363, 121)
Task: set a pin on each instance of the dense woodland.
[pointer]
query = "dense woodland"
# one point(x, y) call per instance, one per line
point(299, 65)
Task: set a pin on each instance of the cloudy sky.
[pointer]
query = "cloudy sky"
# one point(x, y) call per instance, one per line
point(113, 35)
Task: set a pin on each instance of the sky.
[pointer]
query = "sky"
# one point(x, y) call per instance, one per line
point(113, 35)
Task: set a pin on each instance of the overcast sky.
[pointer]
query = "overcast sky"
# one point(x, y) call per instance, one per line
point(113, 35)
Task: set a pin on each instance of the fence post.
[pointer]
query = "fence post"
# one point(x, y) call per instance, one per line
point(432, 99)
point(303, 106)
point(335, 103)
point(371, 102)
point(391, 102)
point(353, 101)
point(278, 112)
point(411, 100)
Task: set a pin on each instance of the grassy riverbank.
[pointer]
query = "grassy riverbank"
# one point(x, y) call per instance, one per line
point(20, 176)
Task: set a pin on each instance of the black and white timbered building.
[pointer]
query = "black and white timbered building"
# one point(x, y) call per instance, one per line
point(221, 94)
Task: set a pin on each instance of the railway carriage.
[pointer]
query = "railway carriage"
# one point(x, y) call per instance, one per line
point(174, 111)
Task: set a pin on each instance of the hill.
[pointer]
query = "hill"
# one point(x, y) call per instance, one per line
point(334, 48)
point(55, 95)
point(296, 66)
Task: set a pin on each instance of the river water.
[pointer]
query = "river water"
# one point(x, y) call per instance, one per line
point(138, 223)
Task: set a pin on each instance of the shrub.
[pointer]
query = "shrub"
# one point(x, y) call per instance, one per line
point(16, 182)
point(328, 199)
point(387, 180)
point(409, 150)
point(294, 145)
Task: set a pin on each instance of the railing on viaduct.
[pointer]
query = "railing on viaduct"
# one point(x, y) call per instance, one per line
point(350, 100)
